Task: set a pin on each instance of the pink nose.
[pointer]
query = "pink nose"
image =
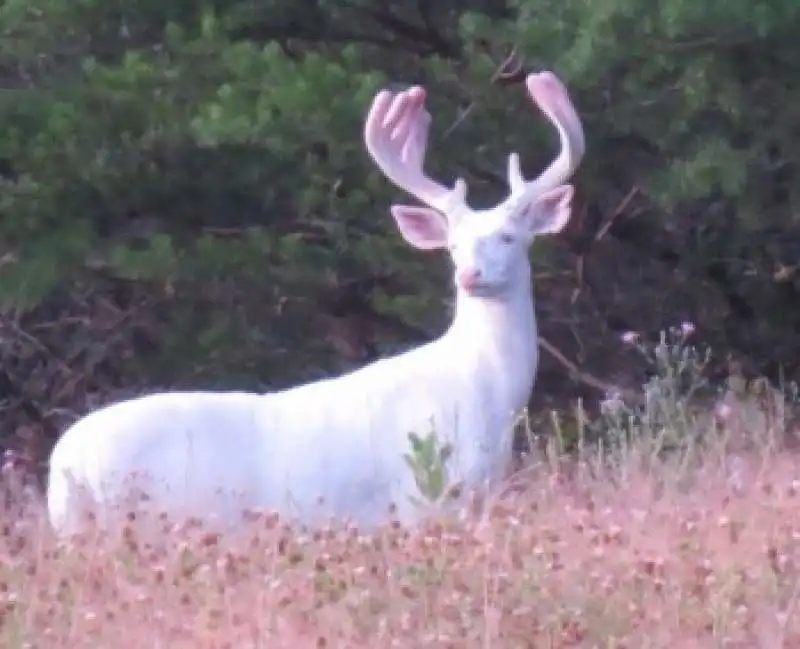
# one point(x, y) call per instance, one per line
point(468, 278)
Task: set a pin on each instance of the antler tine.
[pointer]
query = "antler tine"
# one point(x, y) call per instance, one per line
point(396, 136)
point(552, 98)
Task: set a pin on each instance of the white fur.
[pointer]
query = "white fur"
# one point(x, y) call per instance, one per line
point(344, 439)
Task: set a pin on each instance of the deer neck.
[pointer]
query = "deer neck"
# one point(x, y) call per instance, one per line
point(499, 336)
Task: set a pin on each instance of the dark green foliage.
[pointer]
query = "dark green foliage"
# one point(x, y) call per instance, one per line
point(208, 157)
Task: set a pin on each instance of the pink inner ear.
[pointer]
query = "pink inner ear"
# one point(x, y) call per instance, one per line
point(557, 198)
point(422, 227)
point(549, 212)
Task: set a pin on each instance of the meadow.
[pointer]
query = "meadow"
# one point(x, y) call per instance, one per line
point(676, 527)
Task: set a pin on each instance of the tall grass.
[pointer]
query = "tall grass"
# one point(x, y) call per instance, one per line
point(673, 523)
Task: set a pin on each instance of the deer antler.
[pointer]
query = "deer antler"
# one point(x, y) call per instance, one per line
point(396, 135)
point(552, 98)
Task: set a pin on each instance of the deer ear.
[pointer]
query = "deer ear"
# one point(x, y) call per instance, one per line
point(422, 227)
point(548, 213)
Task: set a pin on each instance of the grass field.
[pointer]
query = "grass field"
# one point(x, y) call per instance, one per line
point(631, 547)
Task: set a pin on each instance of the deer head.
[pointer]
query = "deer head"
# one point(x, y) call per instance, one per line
point(488, 247)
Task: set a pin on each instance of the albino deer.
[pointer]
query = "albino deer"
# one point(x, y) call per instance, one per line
point(335, 448)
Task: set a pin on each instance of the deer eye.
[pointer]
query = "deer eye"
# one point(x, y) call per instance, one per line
point(506, 238)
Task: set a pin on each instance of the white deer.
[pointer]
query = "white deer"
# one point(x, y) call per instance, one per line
point(335, 447)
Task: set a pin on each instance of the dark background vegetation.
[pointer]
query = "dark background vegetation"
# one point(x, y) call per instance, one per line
point(185, 199)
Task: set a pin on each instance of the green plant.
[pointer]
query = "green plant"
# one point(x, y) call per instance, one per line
point(668, 418)
point(428, 463)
